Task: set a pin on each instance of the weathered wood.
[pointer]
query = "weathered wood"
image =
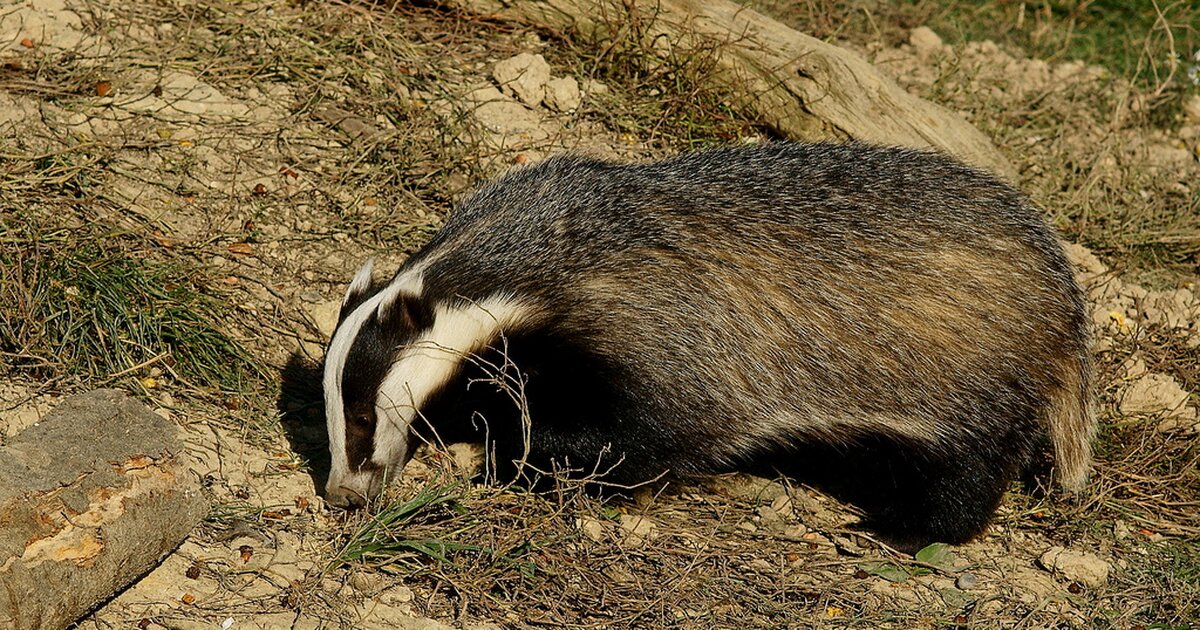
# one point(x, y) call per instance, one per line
point(800, 86)
point(90, 498)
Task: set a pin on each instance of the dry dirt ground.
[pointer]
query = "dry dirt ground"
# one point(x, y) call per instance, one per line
point(273, 146)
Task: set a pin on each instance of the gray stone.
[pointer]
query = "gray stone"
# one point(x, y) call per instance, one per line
point(91, 498)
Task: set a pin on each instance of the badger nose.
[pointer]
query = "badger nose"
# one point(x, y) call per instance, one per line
point(344, 499)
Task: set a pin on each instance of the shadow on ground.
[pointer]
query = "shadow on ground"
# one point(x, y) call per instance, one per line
point(302, 414)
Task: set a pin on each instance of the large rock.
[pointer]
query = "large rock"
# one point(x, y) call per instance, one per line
point(91, 497)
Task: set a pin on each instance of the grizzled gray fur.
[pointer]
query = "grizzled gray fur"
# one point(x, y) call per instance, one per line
point(888, 324)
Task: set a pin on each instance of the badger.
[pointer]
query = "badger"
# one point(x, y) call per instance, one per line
point(885, 323)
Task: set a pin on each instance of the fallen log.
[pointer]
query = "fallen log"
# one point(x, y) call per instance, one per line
point(800, 86)
point(91, 498)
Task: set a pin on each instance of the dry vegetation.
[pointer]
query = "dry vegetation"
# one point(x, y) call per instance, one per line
point(186, 186)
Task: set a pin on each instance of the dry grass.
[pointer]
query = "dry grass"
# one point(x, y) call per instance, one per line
point(362, 151)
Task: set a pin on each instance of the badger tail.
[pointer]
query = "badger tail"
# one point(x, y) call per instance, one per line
point(1071, 421)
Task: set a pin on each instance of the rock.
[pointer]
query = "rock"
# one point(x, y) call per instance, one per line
point(373, 615)
point(510, 123)
point(1178, 309)
point(1191, 109)
point(637, 530)
point(91, 498)
point(1168, 155)
point(966, 581)
point(467, 457)
point(366, 583)
point(769, 519)
point(562, 94)
point(747, 488)
point(1184, 422)
point(273, 621)
point(324, 314)
point(1083, 259)
point(925, 42)
point(1153, 394)
point(593, 528)
point(592, 86)
point(524, 76)
point(397, 596)
point(1085, 568)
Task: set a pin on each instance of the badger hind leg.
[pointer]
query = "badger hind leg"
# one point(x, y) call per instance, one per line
point(913, 494)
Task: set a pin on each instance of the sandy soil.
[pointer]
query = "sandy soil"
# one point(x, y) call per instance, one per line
point(246, 170)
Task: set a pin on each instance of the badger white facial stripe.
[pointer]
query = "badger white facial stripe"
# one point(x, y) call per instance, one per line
point(429, 363)
point(335, 361)
point(361, 281)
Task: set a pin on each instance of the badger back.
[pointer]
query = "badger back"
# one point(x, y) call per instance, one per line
point(734, 301)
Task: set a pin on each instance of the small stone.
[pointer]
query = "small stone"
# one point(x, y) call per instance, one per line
point(1084, 568)
point(1191, 109)
point(1153, 394)
point(924, 41)
point(397, 596)
point(591, 527)
point(1132, 368)
point(467, 457)
point(524, 76)
point(638, 529)
point(1083, 259)
point(562, 94)
point(324, 314)
point(966, 581)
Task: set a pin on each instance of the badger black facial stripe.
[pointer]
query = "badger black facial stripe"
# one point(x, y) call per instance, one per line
point(426, 365)
point(335, 362)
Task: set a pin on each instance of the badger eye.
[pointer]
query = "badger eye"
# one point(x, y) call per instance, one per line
point(362, 420)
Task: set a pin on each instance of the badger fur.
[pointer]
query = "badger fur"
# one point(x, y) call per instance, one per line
point(887, 323)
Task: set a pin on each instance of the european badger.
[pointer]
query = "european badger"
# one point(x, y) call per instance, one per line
point(884, 322)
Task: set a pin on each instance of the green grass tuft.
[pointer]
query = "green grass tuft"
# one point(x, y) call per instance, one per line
point(86, 306)
point(383, 536)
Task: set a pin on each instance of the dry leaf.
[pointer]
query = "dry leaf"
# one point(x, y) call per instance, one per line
point(103, 88)
point(28, 43)
point(188, 599)
point(260, 189)
point(244, 249)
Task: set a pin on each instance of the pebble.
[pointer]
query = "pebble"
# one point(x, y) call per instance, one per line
point(966, 581)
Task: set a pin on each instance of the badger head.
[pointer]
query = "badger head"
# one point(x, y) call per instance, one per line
point(393, 350)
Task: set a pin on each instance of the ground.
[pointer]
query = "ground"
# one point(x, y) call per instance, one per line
point(185, 189)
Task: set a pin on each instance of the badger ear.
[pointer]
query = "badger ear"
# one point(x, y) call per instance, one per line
point(359, 289)
point(405, 311)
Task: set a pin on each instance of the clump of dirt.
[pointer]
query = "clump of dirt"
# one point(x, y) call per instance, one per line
point(274, 146)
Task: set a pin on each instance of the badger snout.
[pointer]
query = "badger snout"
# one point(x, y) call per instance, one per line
point(344, 498)
point(351, 491)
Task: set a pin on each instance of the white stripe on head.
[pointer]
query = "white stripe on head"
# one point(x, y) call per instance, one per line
point(410, 282)
point(430, 362)
point(361, 281)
